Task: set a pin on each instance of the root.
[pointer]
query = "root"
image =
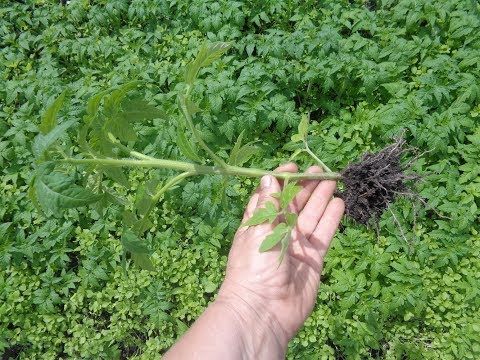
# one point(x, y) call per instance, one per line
point(374, 182)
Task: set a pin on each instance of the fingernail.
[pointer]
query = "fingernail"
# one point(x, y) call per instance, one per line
point(266, 181)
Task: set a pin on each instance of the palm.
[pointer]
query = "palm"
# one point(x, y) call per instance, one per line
point(287, 292)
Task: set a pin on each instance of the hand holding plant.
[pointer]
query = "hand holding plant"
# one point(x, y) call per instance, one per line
point(265, 302)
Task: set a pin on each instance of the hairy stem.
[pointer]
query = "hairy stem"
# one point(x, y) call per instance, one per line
point(197, 136)
point(195, 169)
point(310, 152)
point(173, 181)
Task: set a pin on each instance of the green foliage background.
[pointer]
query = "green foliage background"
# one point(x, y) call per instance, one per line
point(365, 69)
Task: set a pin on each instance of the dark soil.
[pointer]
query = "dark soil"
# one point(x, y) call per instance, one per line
point(375, 181)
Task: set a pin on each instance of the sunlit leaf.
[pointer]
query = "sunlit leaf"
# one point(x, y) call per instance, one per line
point(278, 234)
point(267, 214)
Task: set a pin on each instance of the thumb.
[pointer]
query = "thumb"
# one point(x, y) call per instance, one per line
point(268, 185)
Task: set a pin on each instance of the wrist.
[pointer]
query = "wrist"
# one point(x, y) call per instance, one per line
point(261, 334)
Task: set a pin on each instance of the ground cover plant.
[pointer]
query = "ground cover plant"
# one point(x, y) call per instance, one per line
point(364, 71)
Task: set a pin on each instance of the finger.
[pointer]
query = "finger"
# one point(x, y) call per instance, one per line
point(252, 204)
point(268, 185)
point(315, 206)
point(327, 226)
point(288, 167)
point(307, 189)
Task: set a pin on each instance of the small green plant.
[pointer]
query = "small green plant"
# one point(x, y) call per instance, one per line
point(104, 148)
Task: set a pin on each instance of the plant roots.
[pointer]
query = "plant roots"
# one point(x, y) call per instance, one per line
point(376, 180)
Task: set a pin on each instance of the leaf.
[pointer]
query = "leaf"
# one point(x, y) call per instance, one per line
point(192, 108)
point(93, 103)
point(143, 261)
point(303, 126)
point(56, 191)
point(208, 54)
point(116, 174)
point(42, 142)
point(186, 146)
point(267, 214)
point(291, 219)
point(288, 194)
point(280, 231)
point(136, 110)
point(285, 242)
point(49, 119)
point(132, 243)
point(32, 195)
point(241, 154)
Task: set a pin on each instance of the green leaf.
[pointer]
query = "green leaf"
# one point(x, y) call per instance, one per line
point(280, 231)
point(116, 174)
point(49, 119)
point(208, 54)
point(42, 142)
point(133, 243)
point(241, 154)
point(288, 193)
point(303, 126)
point(291, 219)
point(297, 138)
point(143, 261)
point(56, 191)
point(296, 153)
point(267, 214)
point(136, 110)
point(192, 108)
point(93, 103)
point(285, 242)
point(186, 146)
point(32, 195)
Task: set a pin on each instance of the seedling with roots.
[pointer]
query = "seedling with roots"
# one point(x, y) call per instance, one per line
point(105, 139)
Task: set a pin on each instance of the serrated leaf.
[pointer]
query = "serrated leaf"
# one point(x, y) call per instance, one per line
point(49, 119)
point(303, 126)
point(143, 261)
point(280, 231)
point(135, 110)
point(241, 154)
point(288, 193)
point(192, 108)
point(93, 103)
point(56, 191)
point(207, 54)
point(133, 243)
point(186, 146)
point(267, 214)
point(42, 142)
point(116, 174)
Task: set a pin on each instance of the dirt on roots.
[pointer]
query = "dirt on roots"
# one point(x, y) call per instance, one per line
point(376, 181)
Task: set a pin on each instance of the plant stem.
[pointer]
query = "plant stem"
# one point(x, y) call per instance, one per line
point(195, 133)
point(195, 169)
point(173, 181)
point(310, 152)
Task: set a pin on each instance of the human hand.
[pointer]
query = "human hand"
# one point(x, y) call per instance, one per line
point(282, 297)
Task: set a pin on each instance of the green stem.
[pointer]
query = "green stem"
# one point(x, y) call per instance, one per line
point(195, 133)
point(310, 152)
point(195, 169)
point(173, 181)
